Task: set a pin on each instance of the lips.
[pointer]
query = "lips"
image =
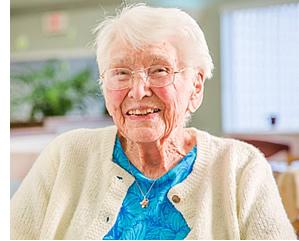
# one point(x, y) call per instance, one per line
point(142, 112)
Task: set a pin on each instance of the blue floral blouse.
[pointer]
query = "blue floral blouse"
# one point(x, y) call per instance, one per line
point(160, 219)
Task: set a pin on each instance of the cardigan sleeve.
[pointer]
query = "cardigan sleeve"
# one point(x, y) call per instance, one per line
point(260, 210)
point(29, 203)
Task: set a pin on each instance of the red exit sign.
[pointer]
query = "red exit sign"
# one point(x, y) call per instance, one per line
point(55, 23)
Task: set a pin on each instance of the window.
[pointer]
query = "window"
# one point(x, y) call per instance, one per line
point(260, 69)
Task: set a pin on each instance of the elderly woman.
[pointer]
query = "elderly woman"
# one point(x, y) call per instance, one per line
point(149, 177)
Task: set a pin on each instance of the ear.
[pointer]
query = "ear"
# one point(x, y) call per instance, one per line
point(197, 93)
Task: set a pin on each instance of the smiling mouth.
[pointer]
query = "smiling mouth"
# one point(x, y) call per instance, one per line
point(144, 112)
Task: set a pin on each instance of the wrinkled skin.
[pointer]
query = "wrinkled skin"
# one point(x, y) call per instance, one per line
point(154, 145)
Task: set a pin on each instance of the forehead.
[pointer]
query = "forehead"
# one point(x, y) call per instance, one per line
point(163, 53)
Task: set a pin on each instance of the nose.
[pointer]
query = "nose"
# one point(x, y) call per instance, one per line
point(140, 87)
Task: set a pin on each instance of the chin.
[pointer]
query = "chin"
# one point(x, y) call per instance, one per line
point(144, 134)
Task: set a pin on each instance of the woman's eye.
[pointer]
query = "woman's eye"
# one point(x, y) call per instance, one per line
point(119, 73)
point(122, 72)
point(158, 71)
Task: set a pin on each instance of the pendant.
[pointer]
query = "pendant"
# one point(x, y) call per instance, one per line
point(144, 202)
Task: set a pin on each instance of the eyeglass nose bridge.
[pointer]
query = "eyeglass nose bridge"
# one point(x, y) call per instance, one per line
point(144, 75)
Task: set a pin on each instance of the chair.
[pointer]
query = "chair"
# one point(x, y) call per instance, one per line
point(271, 148)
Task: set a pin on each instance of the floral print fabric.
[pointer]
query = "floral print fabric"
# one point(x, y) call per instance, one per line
point(160, 220)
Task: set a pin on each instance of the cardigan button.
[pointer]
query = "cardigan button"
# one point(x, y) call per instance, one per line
point(176, 199)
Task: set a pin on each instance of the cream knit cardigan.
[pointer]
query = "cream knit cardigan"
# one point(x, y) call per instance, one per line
point(75, 191)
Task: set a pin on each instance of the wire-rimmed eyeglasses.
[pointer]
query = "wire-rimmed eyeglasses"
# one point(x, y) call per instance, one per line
point(156, 76)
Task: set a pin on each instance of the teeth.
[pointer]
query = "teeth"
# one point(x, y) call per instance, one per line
point(143, 112)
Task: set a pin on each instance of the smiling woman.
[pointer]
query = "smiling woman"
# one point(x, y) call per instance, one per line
point(149, 177)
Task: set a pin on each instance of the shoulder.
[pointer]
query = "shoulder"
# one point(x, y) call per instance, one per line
point(227, 145)
point(228, 152)
point(82, 141)
point(78, 148)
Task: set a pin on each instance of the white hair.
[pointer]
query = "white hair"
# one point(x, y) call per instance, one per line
point(140, 25)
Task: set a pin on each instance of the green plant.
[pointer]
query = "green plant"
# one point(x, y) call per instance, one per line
point(52, 90)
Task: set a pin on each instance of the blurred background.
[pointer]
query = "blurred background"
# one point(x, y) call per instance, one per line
point(253, 95)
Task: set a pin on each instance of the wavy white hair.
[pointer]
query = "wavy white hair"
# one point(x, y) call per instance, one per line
point(140, 25)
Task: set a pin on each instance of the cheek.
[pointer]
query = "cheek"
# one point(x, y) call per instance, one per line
point(173, 99)
point(174, 111)
point(114, 99)
point(165, 95)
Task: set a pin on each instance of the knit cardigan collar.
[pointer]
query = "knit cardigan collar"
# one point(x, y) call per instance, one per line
point(187, 206)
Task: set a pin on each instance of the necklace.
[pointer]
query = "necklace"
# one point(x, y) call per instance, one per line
point(145, 200)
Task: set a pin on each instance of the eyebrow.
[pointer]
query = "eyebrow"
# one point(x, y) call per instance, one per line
point(160, 59)
point(120, 61)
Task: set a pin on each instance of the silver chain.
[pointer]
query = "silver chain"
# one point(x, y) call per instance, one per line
point(144, 195)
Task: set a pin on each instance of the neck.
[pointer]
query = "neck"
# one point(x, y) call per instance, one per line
point(154, 159)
